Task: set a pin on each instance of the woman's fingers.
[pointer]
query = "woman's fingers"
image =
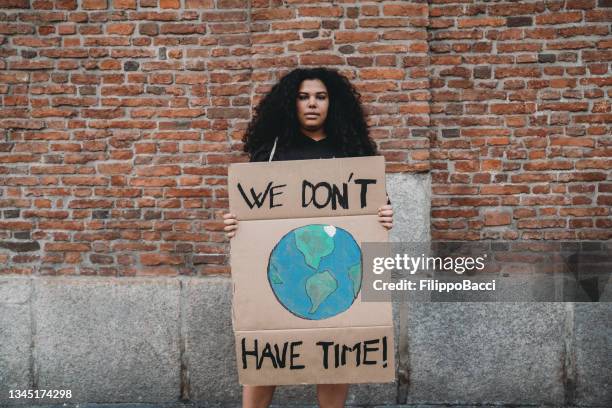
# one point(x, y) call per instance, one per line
point(386, 222)
point(385, 211)
point(231, 224)
point(385, 216)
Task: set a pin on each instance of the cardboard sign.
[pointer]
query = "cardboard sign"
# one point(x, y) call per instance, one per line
point(297, 273)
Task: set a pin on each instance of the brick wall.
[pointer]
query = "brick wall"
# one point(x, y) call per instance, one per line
point(118, 118)
point(521, 114)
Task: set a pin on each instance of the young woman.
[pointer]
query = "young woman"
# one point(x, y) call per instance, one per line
point(309, 114)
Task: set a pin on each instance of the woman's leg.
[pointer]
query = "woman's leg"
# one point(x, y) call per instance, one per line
point(257, 396)
point(332, 395)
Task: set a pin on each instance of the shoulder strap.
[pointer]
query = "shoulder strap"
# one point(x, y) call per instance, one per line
point(273, 150)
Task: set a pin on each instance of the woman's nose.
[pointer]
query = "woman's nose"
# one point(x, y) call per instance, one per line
point(312, 102)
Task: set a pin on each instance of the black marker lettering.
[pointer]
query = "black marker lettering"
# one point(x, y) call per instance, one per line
point(305, 184)
point(260, 198)
point(273, 193)
point(384, 351)
point(293, 355)
point(340, 198)
point(367, 349)
point(281, 358)
point(337, 355)
point(325, 345)
point(364, 189)
point(356, 348)
point(266, 352)
point(246, 353)
point(314, 194)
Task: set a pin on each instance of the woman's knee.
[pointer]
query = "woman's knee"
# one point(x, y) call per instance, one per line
point(257, 396)
point(332, 395)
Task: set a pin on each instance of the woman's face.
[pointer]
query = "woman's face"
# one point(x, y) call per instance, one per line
point(312, 104)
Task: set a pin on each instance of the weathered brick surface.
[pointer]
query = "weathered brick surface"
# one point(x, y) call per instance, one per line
point(521, 120)
point(119, 118)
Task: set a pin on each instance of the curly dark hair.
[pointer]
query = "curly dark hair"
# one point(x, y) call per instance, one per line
point(276, 115)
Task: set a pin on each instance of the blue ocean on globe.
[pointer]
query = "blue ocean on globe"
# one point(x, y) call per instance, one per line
point(315, 271)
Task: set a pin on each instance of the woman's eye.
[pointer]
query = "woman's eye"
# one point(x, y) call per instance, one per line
point(321, 97)
point(302, 97)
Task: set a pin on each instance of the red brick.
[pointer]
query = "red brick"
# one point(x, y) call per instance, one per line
point(321, 59)
point(342, 37)
point(599, 15)
point(604, 200)
point(179, 28)
point(84, 181)
point(548, 165)
point(594, 164)
point(327, 12)
point(311, 45)
point(87, 203)
point(541, 223)
point(124, 4)
point(15, 4)
point(411, 10)
point(199, 4)
point(504, 189)
point(495, 218)
point(273, 14)
point(61, 225)
point(559, 18)
point(382, 73)
point(480, 22)
point(120, 28)
point(66, 246)
point(156, 259)
point(94, 4)
point(169, 4)
point(451, 213)
point(158, 171)
point(510, 9)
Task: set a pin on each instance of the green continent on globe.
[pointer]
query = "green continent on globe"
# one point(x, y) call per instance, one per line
point(274, 276)
point(318, 287)
point(314, 243)
point(354, 273)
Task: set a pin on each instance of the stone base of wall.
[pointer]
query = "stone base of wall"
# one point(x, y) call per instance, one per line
point(163, 340)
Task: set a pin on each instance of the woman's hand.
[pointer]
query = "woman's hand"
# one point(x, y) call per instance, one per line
point(231, 225)
point(385, 216)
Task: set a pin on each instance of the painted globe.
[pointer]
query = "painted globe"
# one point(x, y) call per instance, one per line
point(315, 271)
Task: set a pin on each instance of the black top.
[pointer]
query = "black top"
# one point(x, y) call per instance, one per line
point(304, 148)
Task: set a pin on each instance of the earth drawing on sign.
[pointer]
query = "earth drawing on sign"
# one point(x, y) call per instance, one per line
point(315, 271)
